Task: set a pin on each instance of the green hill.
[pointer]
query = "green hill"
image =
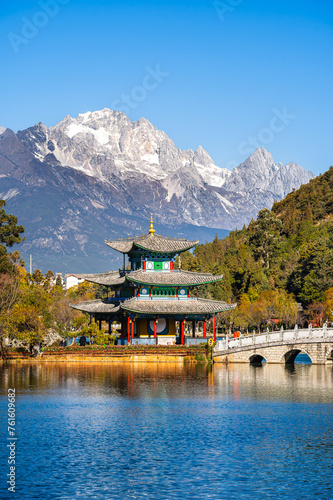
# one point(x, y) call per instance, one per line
point(287, 251)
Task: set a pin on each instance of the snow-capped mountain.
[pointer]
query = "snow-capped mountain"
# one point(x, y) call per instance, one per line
point(260, 172)
point(100, 175)
point(106, 142)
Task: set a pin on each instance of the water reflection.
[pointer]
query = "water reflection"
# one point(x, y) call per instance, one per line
point(306, 382)
point(168, 431)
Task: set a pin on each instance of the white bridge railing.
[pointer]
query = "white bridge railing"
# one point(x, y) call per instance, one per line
point(288, 336)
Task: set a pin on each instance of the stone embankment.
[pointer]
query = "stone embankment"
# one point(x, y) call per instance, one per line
point(161, 354)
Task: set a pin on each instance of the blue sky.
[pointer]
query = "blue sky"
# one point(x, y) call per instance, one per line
point(231, 75)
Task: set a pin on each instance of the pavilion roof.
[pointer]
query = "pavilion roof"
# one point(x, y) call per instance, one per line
point(153, 243)
point(111, 278)
point(166, 278)
point(96, 306)
point(175, 307)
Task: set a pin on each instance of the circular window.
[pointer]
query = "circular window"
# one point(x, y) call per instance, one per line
point(150, 265)
point(144, 291)
point(182, 291)
point(160, 326)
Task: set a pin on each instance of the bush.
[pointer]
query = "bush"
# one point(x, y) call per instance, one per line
point(104, 339)
point(200, 358)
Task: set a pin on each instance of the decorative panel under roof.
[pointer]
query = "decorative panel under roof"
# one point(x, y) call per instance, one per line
point(111, 278)
point(174, 278)
point(152, 243)
point(175, 307)
point(96, 306)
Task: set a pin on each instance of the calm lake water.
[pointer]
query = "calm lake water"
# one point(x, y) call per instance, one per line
point(168, 431)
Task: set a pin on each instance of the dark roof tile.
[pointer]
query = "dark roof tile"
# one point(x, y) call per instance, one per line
point(175, 307)
point(111, 278)
point(153, 243)
point(168, 278)
point(96, 306)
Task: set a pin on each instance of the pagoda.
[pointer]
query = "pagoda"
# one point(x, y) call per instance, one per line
point(151, 296)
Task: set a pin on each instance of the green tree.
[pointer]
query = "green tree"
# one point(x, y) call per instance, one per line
point(10, 232)
point(266, 232)
point(58, 281)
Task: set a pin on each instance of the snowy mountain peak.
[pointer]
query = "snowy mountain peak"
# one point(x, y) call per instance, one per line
point(202, 155)
point(260, 172)
point(262, 153)
point(259, 159)
point(107, 145)
point(127, 170)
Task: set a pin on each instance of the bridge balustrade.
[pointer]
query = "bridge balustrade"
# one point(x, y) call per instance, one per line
point(274, 337)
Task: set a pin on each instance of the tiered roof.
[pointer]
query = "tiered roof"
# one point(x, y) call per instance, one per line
point(154, 278)
point(176, 307)
point(175, 278)
point(171, 307)
point(153, 243)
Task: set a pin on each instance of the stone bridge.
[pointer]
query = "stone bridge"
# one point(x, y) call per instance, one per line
point(277, 347)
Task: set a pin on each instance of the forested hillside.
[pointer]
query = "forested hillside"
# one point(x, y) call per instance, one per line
point(283, 258)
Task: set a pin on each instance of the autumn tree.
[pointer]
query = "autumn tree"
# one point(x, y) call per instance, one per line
point(10, 234)
point(256, 310)
point(26, 325)
point(329, 304)
point(316, 312)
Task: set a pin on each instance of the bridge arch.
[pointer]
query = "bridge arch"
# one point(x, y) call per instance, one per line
point(257, 359)
point(290, 355)
point(329, 356)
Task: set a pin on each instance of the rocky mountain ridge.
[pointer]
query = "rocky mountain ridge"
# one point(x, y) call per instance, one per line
point(100, 175)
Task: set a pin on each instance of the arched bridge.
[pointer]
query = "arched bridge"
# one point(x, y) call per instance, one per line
point(277, 347)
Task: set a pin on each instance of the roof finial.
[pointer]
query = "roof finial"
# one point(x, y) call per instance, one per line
point(151, 230)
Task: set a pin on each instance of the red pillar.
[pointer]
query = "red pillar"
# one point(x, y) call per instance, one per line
point(132, 329)
point(155, 328)
point(182, 332)
point(214, 328)
point(205, 329)
point(128, 330)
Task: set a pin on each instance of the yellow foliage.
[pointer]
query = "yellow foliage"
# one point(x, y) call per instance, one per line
point(255, 310)
point(25, 324)
point(329, 304)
